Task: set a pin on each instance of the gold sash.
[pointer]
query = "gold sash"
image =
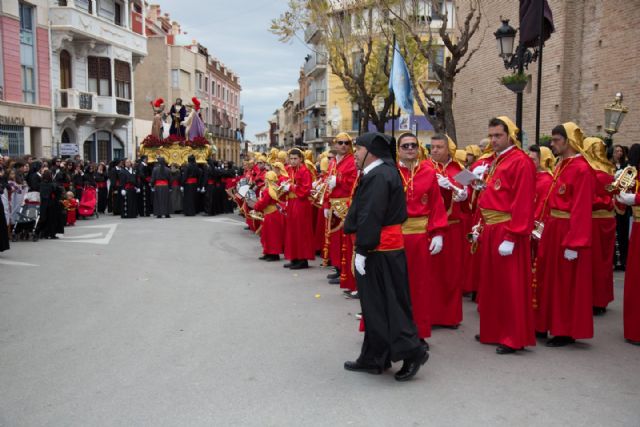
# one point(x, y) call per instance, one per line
point(603, 213)
point(557, 213)
point(270, 209)
point(636, 213)
point(415, 225)
point(292, 196)
point(494, 217)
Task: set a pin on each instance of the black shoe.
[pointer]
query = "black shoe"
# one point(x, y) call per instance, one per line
point(334, 281)
point(449, 326)
point(599, 311)
point(263, 257)
point(559, 341)
point(158, 216)
point(168, 216)
point(425, 344)
point(541, 335)
point(410, 367)
point(474, 295)
point(477, 337)
point(271, 258)
point(246, 228)
point(358, 367)
point(632, 342)
point(351, 295)
point(335, 275)
point(288, 265)
point(503, 349)
point(301, 264)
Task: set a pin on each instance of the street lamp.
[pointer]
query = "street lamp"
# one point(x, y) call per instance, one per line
point(505, 38)
point(613, 115)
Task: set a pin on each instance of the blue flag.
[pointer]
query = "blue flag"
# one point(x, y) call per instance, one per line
point(400, 82)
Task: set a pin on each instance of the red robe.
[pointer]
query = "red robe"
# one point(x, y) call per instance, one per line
point(543, 183)
point(424, 203)
point(320, 222)
point(446, 294)
point(340, 245)
point(506, 314)
point(71, 206)
point(632, 278)
point(299, 229)
point(272, 234)
point(565, 295)
point(604, 240)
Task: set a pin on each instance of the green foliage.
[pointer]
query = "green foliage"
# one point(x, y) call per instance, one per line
point(514, 78)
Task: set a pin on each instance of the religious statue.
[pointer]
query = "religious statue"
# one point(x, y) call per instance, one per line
point(178, 113)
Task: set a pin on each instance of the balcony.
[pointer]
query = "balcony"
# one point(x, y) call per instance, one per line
point(316, 99)
point(314, 133)
point(316, 62)
point(73, 99)
point(310, 32)
point(85, 27)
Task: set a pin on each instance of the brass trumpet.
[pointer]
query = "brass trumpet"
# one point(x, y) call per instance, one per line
point(474, 235)
point(318, 194)
point(625, 180)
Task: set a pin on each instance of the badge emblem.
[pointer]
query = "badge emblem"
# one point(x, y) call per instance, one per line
point(424, 199)
point(562, 189)
point(497, 184)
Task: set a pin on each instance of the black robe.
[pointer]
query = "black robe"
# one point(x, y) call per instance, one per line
point(115, 199)
point(4, 231)
point(390, 333)
point(103, 192)
point(192, 172)
point(177, 116)
point(145, 199)
point(77, 179)
point(208, 182)
point(161, 193)
point(52, 214)
point(130, 198)
point(176, 194)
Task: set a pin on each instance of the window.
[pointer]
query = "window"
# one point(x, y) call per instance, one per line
point(206, 84)
point(123, 79)
point(218, 93)
point(439, 57)
point(11, 140)
point(213, 87)
point(437, 9)
point(27, 58)
point(175, 79)
point(117, 19)
point(99, 75)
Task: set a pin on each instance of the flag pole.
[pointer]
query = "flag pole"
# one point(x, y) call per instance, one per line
point(393, 95)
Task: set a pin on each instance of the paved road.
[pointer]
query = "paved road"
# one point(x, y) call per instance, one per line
point(176, 323)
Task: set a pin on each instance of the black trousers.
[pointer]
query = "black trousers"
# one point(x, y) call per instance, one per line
point(389, 331)
point(622, 240)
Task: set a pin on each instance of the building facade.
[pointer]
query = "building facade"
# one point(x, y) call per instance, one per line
point(26, 115)
point(592, 54)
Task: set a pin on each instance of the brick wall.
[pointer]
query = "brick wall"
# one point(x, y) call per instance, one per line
point(11, 58)
point(591, 56)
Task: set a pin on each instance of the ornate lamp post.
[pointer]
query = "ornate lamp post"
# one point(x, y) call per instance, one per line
point(518, 61)
point(613, 115)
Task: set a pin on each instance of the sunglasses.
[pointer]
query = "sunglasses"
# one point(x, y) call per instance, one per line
point(409, 146)
point(343, 142)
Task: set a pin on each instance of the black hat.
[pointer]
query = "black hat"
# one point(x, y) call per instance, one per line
point(380, 145)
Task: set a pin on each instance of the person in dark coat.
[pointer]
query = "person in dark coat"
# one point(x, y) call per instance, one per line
point(176, 188)
point(145, 200)
point(51, 211)
point(77, 180)
point(115, 198)
point(161, 189)
point(128, 191)
point(34, 177)
point(208, 183)
point(190, 180)
point(100, 177)
point(375, 219)
point(4, 231)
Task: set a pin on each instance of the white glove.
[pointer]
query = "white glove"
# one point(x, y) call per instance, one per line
point(137, 190)
point(326, 213)
point(463, 196)
point(182, 189)
point(123, 192)
point(628, 199)
point(331, 182)
point(286, 186)
point(570, 255)
point(505, 248)
point(359, 264)
point(315, 184)
point(444, 182)
point(153, 189)
point(479, 171)
point(436, 245)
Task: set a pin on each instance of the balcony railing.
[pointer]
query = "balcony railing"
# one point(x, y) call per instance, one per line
point(315, 98)
point(73, 99)
point(309, 32)
point(312, 134)
point(315, 62)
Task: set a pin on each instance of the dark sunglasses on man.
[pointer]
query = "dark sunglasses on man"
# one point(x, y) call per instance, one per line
point(343, 142)
point(409, 146)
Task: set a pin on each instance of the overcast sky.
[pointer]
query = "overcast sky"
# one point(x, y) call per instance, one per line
point(237, 32)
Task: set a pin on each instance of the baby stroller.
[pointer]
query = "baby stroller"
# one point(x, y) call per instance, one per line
point(26, 220)
point(88, 202)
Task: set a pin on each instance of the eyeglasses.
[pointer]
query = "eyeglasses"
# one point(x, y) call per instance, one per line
point(343, 142)
point(409, 146)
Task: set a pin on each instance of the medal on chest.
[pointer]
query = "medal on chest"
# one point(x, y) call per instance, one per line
point(497, 184)
point(562, 189)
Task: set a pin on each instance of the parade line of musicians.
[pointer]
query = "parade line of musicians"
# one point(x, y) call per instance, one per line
point(531, 237)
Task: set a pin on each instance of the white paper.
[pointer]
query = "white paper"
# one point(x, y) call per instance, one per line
point(465, 177)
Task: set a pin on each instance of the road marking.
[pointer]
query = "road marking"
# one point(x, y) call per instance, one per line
point(17, 263)
point(94, 238)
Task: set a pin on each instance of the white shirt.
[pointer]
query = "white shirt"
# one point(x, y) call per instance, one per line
point(372, 166)
point(506, 150)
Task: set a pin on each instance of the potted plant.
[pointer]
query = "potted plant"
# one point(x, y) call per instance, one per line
point(515, 82)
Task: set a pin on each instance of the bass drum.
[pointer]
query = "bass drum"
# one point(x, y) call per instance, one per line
point(251, 198)
point(243, 190)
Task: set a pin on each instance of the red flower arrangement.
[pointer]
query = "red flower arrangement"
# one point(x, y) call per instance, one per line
point(152, 141)
point(198, 141)
point(173, 139)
